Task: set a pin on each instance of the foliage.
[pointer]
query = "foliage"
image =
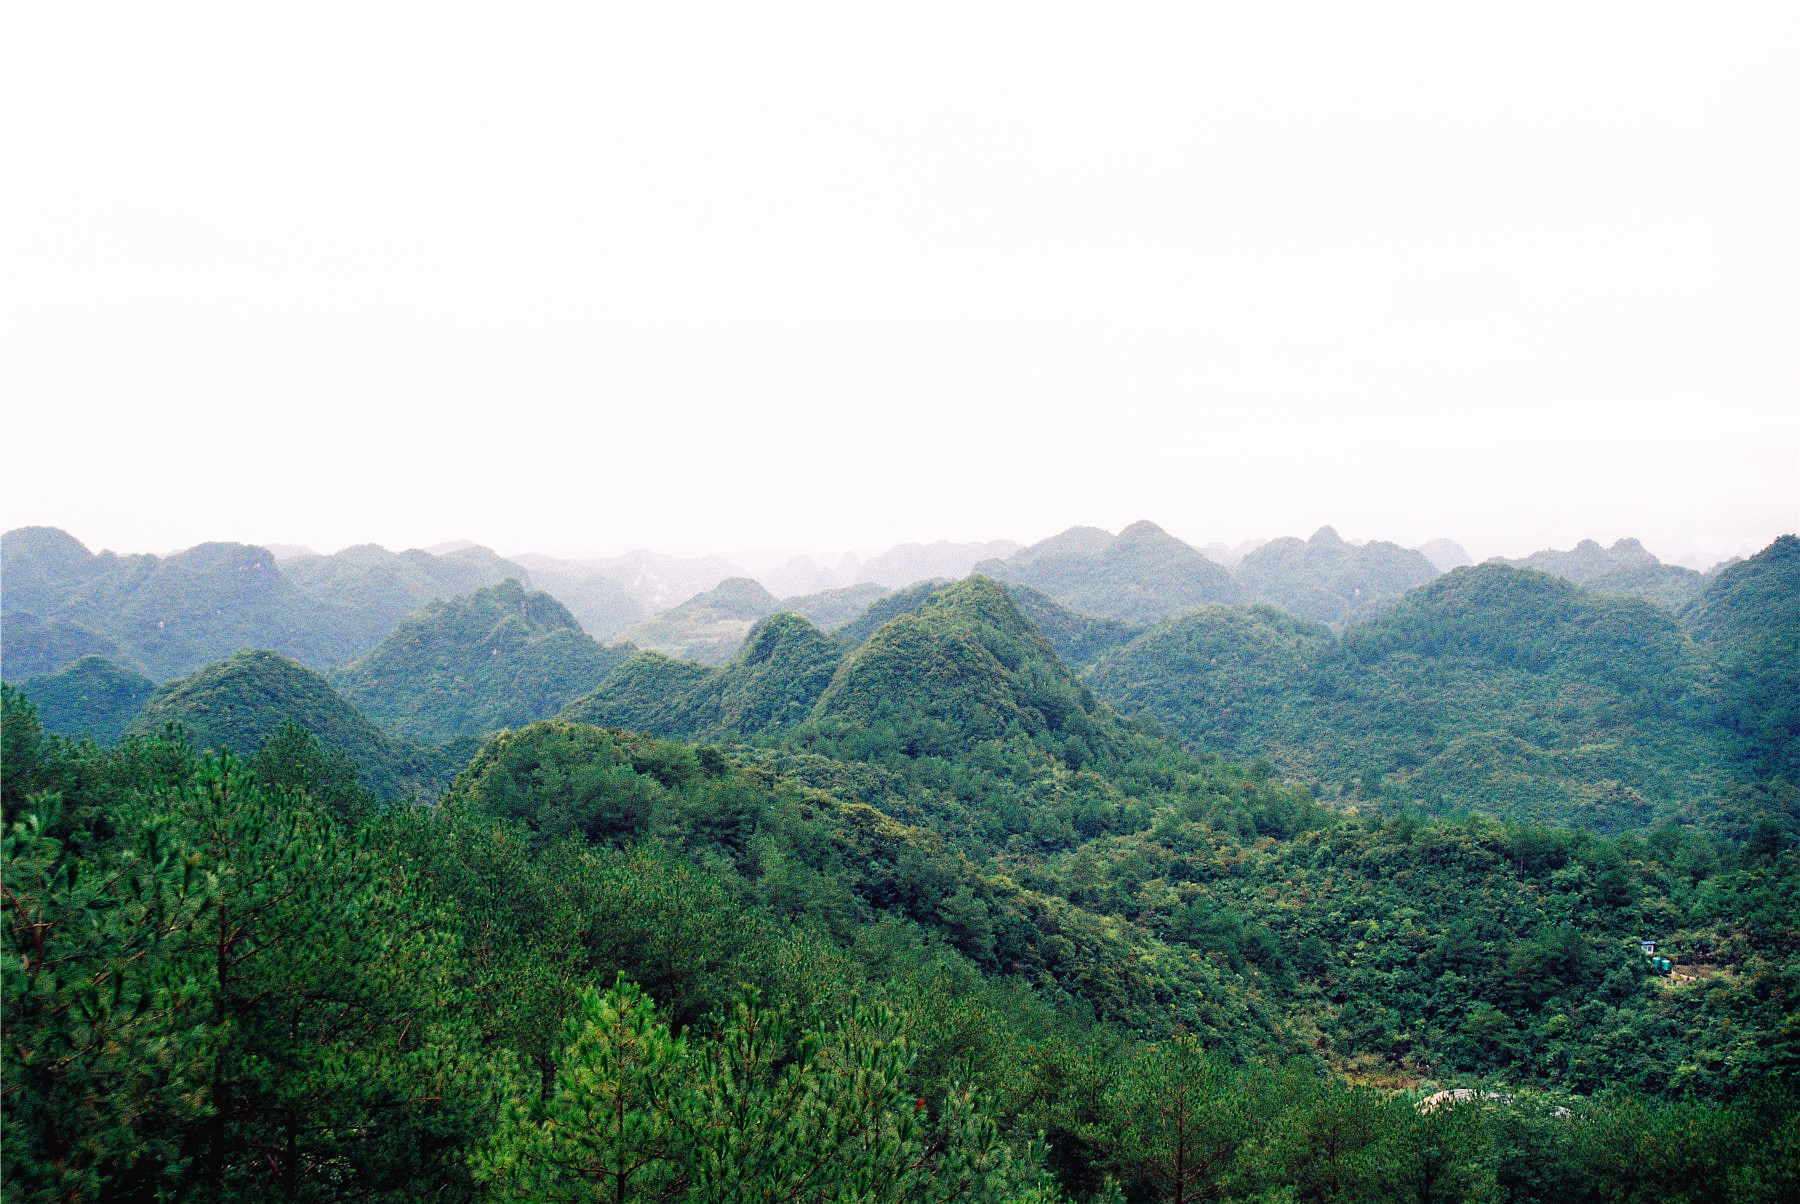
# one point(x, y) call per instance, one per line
point(925, 920)
point(500, 657)
point(91, 697)
point(240, 702)
point(36, 648)
point(233, 993)
point(1749, 618)
point(1141, 575)
point(1326, 580)
point(1491, 688)
point(1625, 568)
point(752, 1114)
point(170, 615)
point(707, 627)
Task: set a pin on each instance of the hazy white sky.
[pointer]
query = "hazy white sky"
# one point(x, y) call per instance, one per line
point(578, 277)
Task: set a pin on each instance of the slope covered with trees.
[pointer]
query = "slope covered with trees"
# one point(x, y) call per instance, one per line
point(383, 587)
point(165, 616)
point(1627, 567)
point(1748, 619)
point(1327, 580)
point(771, 682)
point(609, 961)
point(92, 697)
point(241, 702)
point(1142, 574)
point(500, 657)
point(712, 627)
point(32, 647)
point(1492, 688)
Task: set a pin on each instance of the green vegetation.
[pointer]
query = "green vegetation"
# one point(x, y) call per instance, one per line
point(708, 627)
point(500, 657)
point(1749, 620)
point(1327, 580)
point(165, 616)
point(383, 587)
point(712, 627)
point(241, 702)
point(34, 647)
point(771, 683)
point(911, 913)
point(1625, 568)
point(1492, 688)
point(601, 605)
point(1142, 574)
point(92, 697)
point(608, 961)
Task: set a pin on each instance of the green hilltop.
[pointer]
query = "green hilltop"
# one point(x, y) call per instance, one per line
point(165, 616)
point(1491, 688)
point(1327, 580)
point(241, 702)
point(712, 626)
point(383, 587)
point(500, 657)
point(1142, 574)
point(91, 697)
point(1625, 568)
point(771, 683)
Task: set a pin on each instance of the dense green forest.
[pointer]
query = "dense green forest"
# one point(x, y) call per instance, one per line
point(912, 953)
point(499, 657)
point(969, 895)
point(1329, 581)
point(92, 697)
point(1625, 568)
point(245, 701)
point(1502, 690)
point(1141, 574)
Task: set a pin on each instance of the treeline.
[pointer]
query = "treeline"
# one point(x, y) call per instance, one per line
point(606, 965)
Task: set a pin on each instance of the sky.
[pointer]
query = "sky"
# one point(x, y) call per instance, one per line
point(576, 278)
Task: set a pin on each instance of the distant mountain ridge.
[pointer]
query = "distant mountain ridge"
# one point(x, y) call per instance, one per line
point(163, 616)
point(1627, 567)
point(501, 657)
point(710, 627)
point(1329, 581)
point(1491, 687)
point(1141, 574)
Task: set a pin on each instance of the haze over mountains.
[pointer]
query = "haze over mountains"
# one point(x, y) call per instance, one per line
point(1589, 686)
point(1098, 806)
point(167, 615)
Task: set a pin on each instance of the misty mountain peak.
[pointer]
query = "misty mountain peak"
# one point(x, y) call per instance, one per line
point(1143, 530)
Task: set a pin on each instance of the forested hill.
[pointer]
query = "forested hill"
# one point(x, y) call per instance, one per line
point(245, 701)
point(1494, 689)
point(711, 626)
point(1625, 568)
point(387, 586)
point(771, 683)
point(1329, 581)
point(1142, 574)
point(500, 657)
point(163, 616)
point(959, 934)
point(1748, 618)
point(961, 664)
point(91, 697)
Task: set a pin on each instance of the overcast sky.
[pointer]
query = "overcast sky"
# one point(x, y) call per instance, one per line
point(575, 278)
